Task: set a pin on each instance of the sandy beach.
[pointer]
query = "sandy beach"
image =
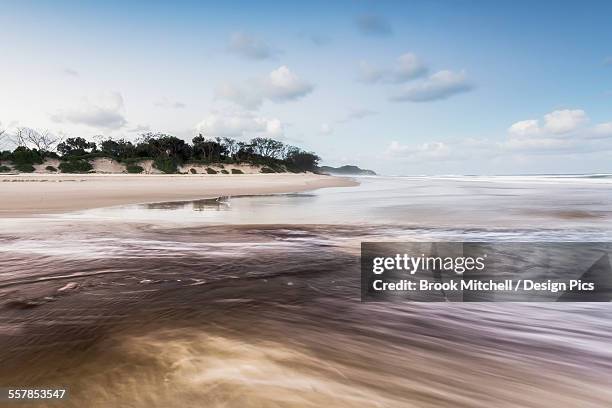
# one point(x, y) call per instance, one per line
point(24, 195)
point(256, 302)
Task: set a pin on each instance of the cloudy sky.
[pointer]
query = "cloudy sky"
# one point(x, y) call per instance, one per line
point(431, 87)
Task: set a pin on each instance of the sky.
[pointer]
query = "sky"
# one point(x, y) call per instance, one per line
point(400, 87)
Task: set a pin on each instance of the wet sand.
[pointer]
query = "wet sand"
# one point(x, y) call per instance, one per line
point(131, 311)
point(30, 194)
point(269, 316)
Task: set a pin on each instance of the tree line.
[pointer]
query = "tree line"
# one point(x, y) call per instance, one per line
point(166, 151)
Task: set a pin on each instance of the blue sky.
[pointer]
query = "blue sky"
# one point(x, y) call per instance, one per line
point(432, 87)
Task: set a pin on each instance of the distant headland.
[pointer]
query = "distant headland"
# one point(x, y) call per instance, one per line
point(347, 170)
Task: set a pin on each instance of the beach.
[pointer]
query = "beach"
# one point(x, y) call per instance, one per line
point(254, 300)
point(29, 194)
point(357, 204)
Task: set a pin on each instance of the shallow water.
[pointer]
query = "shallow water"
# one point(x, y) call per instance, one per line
point(452, 202)
point(254, 301)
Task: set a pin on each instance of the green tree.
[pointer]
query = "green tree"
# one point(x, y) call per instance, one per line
point(75, 146)
point(210, 150)
point(300, 160)
point(268, 148)
point(117, 149)
point(161, 145)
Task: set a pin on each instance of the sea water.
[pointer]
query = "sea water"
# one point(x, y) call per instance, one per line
point(254, 301)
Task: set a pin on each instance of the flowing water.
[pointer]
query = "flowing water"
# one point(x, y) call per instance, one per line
point(254, 301)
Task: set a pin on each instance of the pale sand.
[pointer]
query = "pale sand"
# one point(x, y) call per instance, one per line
point(23, 195)
point(104, 165)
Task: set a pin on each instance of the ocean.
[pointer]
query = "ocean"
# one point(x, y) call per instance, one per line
point(254, 301)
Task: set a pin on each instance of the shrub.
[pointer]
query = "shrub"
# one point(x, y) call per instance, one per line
point(237, 171)
point(266, 170)
point(193, 171)
point(24, 167)
point(51, 168)
point(134, 168)
point(166, 165)
point(211, 171)
point(75, 166)
point(4, 169)
point(24, 155)
point(224, 171)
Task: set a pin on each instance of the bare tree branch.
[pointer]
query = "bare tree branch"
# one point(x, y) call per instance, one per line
point(2, 136)
point(42, 141)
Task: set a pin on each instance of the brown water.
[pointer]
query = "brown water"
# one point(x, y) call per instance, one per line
point(192, 305)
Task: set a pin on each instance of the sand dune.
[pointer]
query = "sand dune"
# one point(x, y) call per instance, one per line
point(31, 194)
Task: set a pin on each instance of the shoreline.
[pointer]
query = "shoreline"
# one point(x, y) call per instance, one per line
point(38, 194)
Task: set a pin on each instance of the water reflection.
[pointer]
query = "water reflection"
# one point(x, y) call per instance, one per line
point(208, 204)
point(495, 202)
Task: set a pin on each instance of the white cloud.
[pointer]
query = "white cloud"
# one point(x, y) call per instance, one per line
point(528, 127)
point(239, 124)
point(602, 130)
point(526, 141)
point(562, 130)
point(557, 124)
point(564, 121)
point(280, 85)
point(250, 47)
point(408, 67)
point(106, 112)
point(441, 85)
point(284, 85)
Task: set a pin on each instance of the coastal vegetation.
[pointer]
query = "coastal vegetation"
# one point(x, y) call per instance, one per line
point(347, 170)
point(166, 153)
point(134, 168)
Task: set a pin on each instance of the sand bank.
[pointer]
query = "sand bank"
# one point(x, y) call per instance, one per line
point(22, 195)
